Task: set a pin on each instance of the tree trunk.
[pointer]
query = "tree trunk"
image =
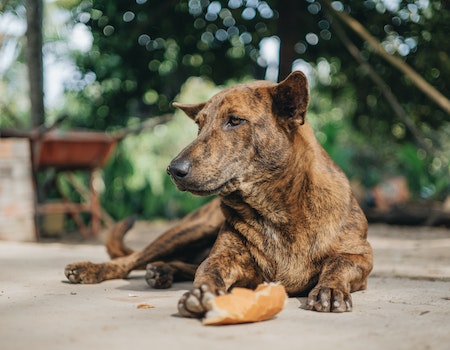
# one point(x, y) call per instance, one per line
point(34, 61)
point(288, 31)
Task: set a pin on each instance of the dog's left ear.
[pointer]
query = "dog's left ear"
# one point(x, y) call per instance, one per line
point(290, 99)
point(191, 110)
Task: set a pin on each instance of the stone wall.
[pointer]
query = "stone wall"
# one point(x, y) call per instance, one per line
point(16, 191)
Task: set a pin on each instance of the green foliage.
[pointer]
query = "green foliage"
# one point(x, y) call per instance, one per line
point(383, 151)
point(143, 51)
point(14, 104)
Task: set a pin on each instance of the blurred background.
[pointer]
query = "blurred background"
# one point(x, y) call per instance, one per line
point(379, 73)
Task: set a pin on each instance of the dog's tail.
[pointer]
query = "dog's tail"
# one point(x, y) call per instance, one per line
point(114, 241)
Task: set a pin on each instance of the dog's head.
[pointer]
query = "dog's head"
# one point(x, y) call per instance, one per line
point(244, 135)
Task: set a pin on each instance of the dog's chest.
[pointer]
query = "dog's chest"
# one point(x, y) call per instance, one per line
point(277, 254)
point(271, 235)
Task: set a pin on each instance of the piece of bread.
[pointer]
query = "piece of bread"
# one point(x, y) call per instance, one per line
point(245, 305)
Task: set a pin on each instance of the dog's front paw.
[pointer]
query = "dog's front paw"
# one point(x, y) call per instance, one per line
point(324, 299)
point(159, 275)
point(196, 302)
point(83, 272)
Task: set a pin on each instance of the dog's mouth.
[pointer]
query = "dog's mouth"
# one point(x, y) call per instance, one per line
point(198, 190)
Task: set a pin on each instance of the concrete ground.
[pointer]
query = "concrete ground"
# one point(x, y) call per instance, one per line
point(406, 305)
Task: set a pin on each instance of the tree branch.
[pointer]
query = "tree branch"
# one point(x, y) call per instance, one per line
point(384, 88)
point(415, 78)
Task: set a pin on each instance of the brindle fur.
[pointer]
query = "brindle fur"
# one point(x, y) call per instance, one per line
point(285, 211)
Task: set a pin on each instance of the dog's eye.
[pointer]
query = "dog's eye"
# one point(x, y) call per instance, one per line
point(233, 122)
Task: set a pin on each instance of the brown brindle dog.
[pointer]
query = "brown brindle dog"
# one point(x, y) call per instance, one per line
point(285, 211)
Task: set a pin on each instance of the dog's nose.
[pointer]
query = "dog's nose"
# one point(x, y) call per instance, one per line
point(179, 168)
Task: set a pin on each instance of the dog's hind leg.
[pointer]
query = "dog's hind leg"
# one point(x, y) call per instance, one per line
point(192, 235)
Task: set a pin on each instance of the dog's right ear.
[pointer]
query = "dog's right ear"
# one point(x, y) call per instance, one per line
point(191, 110)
